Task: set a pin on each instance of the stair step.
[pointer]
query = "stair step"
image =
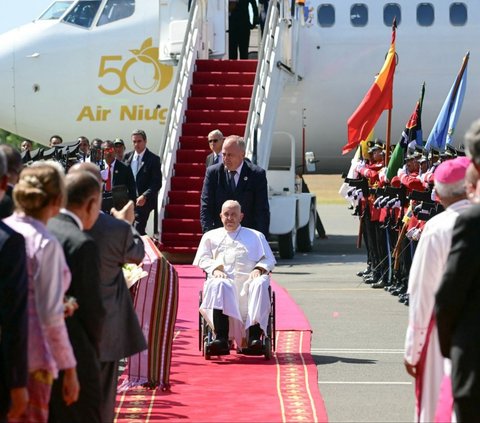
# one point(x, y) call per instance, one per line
point(191, 156)
point(205, 128)
point(191, 182)
point(216, 116)
point(193, 238)
point(191, 142)
point(218, 103)
point(190, 169)
point(238, 78)
point(184, 197)
point(204, 90)
point(185, 225)
point(182, 211)
point(226, 65)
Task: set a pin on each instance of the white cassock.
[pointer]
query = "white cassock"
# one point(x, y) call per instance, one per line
point(245, 301)
point(425, 276)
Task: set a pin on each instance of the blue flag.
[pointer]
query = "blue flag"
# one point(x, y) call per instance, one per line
point(444, 127)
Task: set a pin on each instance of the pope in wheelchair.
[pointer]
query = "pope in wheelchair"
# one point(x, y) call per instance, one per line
point(236, 299)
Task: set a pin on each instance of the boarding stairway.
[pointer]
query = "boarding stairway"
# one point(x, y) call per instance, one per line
point(219, 99)
point(238, 97)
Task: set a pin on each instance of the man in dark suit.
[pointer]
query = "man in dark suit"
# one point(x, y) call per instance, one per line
point(458, 303)
point(215, 142)
point(86, 325)
point(239, 26)
point(146, 169)
point(235, 179)
point(13, 316)
point(118, 243)
point(116, 174)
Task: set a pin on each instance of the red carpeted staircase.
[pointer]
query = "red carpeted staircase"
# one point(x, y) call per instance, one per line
point(219, 99)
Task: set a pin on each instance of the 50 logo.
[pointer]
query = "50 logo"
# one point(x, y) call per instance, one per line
point(141, 74)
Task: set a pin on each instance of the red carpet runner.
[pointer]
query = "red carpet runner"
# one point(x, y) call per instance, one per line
point(232, 388)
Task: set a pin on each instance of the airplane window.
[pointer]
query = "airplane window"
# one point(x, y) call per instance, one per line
point(55, 11)
point(83, 13)
point(458, 14)
point(425, 14)
point(326, 15)
point(391, 11)
point(359, 14)
point(115, 10)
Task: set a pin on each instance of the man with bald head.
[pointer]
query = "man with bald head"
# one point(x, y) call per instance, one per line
point(235, 179)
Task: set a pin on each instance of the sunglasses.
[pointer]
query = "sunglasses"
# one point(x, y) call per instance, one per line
point(214, 141)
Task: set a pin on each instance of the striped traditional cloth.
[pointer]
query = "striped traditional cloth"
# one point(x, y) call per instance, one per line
point(156, 304)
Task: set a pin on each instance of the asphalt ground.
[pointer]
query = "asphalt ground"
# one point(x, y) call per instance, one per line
point(358, 332)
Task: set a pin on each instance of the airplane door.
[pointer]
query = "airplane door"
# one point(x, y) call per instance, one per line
point(217, 15)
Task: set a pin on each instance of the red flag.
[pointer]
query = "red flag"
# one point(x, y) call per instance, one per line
point(377, 99)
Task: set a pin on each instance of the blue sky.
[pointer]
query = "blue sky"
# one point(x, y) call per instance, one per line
point(19, 12)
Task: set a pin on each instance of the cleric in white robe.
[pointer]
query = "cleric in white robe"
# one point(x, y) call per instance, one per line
point(423, 359)
point(237, 261)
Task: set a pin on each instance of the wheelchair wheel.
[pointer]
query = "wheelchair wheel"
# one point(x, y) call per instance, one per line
point(267, 348)
point(205, 346)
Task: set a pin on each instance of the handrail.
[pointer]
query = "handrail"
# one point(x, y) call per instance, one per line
point(270, 69)
point(193, 48)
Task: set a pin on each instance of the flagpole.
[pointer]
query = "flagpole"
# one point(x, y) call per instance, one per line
point(459, 77)
point(389, 115)
point(387, 142)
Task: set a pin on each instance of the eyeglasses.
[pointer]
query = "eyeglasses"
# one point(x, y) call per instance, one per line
point(214, 141)
point(109, 149)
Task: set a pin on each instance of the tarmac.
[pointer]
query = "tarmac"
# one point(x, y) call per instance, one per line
point(358, 332)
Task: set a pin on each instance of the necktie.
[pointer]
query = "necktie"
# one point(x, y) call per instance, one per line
point(215, 160)
point(108, 183)
point(136, 165)
point(231, 182)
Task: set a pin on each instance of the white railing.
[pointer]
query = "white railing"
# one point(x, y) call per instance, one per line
point(194, 47)
point(276, 64)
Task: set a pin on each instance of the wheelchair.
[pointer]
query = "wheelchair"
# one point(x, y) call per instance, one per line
point(206, 335)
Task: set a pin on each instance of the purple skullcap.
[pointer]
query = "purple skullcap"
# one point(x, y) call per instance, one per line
point(451, 171)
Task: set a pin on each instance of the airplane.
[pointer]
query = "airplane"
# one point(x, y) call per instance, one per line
point(91, 67)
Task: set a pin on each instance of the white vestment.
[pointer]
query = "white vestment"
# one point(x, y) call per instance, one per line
point(428, 266)
point(236, 253)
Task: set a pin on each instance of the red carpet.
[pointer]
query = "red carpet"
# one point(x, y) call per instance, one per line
point(232, 388)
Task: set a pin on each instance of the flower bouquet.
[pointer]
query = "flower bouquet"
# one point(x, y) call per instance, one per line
point(133, 273)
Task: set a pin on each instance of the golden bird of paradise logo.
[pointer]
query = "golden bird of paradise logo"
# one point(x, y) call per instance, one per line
point(141, 74)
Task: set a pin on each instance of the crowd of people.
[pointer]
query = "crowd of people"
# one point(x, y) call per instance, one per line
point(66, 315)
point(420, 229)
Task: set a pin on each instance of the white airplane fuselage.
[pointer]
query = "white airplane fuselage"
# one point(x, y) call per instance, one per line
point(104, 81)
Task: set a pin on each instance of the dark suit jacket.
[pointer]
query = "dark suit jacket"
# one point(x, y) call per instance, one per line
point(6, 203)
point(123, 175)
point(251, 192)
point(458, 305)
point(13, 314)
point(85, 327)
point(118, 243)
point(209, 160)
point(149, 176)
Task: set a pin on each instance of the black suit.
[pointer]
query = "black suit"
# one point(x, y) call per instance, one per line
point(148, 182)
point(6, 203)
point(85, 326)
point(123, 175)
point(13, 315)
point(251, 192)
point(122, 336)
point(458, 314)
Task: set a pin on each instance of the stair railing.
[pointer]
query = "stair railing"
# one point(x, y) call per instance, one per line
point(194, 47)
point(276, 64)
